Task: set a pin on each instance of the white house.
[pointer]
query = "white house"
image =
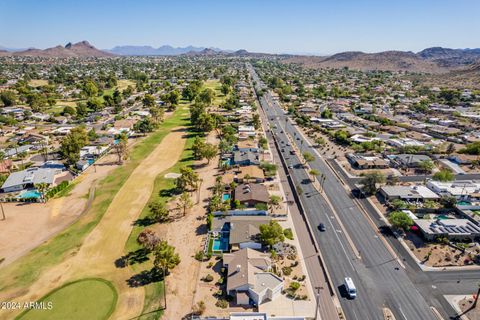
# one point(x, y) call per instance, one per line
point(249, 278)
point(462, 190)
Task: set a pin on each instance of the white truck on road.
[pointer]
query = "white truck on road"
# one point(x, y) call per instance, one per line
point(350, 287)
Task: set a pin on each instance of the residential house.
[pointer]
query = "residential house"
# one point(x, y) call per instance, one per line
point(13, 152)
point(246, 158)
point(28, 178)
point(251, 194)
point(455, 229)
point(407, 193)
point(34, 138)
point(249, 279)
point(405, 142)
point(359, 161)
point(461, 190)
point(409, 160)
point(242, 231)
point(92, 152)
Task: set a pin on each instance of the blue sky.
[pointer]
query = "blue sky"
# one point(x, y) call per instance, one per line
point(277, 26)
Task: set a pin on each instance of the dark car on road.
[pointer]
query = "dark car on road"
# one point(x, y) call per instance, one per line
point(322, 227)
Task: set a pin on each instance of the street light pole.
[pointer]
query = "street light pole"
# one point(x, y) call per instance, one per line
point(3, 212)
point(317, 298)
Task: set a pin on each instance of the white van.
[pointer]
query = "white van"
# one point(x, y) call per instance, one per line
point(351, 290)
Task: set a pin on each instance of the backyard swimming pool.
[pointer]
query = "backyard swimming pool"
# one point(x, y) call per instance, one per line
point(225, 197)
point(29, 194)
point(228, 162)
point(220, 243)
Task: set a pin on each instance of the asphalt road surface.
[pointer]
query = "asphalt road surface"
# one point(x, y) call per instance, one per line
point(380, 279)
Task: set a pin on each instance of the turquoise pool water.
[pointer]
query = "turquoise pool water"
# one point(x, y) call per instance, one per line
point(90, 161)
point(442, 217)
point(228, 162)
point(221, 243)
point(464, 203)
point(225, 197)
point(30, 194)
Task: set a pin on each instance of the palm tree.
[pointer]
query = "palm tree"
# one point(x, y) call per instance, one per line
point(42, 188)
point(308, 157)
point(314, 173)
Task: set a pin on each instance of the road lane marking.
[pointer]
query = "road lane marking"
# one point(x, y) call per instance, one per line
point(339, 222)
point(403, 314)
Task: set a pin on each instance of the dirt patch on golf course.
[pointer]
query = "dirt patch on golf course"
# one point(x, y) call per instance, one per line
point(105, 244)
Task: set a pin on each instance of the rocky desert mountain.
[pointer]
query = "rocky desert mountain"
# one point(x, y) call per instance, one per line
point(435, 60)
point(80, 49)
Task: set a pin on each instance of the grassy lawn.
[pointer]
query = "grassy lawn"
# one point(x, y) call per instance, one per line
point(61, 104)
point(154, 292)
point(216, 86)
point(38, 83)
point(121, 85)
point(26, 270)
point(124, 83)
point(92, 299)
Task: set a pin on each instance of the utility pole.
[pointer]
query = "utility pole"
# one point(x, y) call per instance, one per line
point(317, 298)
point(3, 212)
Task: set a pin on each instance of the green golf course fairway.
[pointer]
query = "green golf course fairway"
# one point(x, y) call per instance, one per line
point(92, 299)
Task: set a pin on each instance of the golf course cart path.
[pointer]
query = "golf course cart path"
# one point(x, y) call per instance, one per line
point(105, 244)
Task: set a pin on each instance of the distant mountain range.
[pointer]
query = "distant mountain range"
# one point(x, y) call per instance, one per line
point(430, 60)
point(2, 48)
point(165, 50)
point(80, 49)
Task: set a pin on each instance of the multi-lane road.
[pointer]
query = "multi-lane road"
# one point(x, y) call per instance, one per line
point(352, 245)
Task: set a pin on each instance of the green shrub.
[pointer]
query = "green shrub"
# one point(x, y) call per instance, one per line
point(199, 255)
point(287, 270)
point(288, 233)
point(208, 278)
point(294, 286)
point(222, 304)
point(53, 191)
point(209, 221)
point(261, 206)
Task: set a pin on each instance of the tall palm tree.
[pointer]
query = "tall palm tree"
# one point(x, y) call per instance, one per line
point(42, 188)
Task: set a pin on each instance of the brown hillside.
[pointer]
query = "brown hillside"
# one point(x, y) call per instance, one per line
point(80, 49)
point(388, 60)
